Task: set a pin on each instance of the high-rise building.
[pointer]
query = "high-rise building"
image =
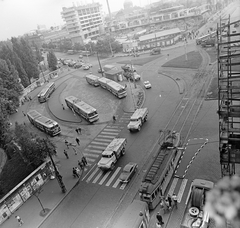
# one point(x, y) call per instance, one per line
point(83, 21)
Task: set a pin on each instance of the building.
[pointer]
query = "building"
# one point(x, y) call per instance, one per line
point(159, 39)
point(83, 21)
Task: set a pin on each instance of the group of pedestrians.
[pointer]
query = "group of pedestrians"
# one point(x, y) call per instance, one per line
point(167, 204)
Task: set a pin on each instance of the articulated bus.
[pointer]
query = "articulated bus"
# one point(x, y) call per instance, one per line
point(113, 87)
point(161, 170)
point(43, 123)
point(46, 92)
point(81, 108)
point(92, 79)
point(135, 216)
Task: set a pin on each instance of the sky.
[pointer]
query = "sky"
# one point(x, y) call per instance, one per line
point(18, 17)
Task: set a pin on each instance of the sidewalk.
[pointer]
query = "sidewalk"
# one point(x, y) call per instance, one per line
point(51, 196)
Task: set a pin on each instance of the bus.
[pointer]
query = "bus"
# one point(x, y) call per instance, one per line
point(92, 79)
point(81, 108)
point(85, 53)
point(210, 36)
point(46, 92)
point(160, 171)
point(135, 216)
point(43, 123)
point(113, 87)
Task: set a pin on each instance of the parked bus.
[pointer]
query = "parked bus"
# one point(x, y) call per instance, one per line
point(46, 92)
point(161, 170)
point(43, 123)
point(135, 216)
point(113, 87)
point(85, 53)
point(81, 108)
point(92, 79)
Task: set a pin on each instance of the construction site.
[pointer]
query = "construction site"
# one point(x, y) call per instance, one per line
point(228, 46)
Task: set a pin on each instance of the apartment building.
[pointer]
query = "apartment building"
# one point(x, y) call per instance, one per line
point(83, 21)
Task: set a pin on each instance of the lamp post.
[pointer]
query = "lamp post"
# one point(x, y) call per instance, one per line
point(185, 50)
point(58, 176)
point(134, 82)
point(99, 64)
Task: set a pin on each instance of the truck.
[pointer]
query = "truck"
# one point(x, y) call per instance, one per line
point(137, 119)
point(194, 216)
point(109, 67)
point(155, 51)
point(112, 153)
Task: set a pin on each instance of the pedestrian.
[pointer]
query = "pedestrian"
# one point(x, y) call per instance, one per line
point(78, 141)
point(84, 161)
point(169, 201)
point(23, 113)
point(114, 118)
point(29, 98)
point(80, 130)
point(77, 130)
point(167, 204)
point(80, 165)
point(66, 154)
point(63, 107)
point(175, 200)
point(75, 173)
point(159, 219)
point(75, 151)
point(20, 221)
point(66, 143)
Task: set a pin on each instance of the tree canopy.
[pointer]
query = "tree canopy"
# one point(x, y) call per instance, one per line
point(52, 60)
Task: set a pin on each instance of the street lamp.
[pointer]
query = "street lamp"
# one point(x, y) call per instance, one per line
point(185, 49)
point(99, 64)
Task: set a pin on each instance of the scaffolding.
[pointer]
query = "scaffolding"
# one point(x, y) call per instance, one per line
point(228, 45)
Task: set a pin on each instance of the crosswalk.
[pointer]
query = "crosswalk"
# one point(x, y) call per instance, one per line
point(94, 150)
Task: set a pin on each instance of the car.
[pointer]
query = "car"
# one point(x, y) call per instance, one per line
point(78, 65)
point(100, 70)
point(135, 77)
point(128, 171)
point(147, 85)
point(86, 67)
point(71, 64)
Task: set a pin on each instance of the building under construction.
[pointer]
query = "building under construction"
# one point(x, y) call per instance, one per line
point(228, 41)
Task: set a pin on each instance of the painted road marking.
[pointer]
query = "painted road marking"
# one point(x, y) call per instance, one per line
point(113, 176)
point(91, 176)
point(97, 147)
point(93, 151)
point(99, 143)
point(89, 172)
point(116, 183)
point(123, 186)
point(181, 190)
point(97, 177)
point(102, 140)
point(92, 155)
point(90, 159)
point(111, 130)
point(104, 178)
point(173, 186)
point(110, 137)
point(109, 133)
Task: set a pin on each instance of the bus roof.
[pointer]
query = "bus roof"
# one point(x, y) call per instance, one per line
point(81, 104)
point(115, 144)
point(207, 35)
point(91, 76)
point(203, 183)
point(115, 85)
point(46, 121)
point(45, 89)
point(138, 113)
point(33, 114)
point(104, 80)
point(132, 216)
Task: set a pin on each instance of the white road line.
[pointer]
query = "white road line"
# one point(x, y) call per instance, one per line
point(114, 126)
point(91, 176)
point(113, 176)
point(111, 130)
point(99, 143)
point(106, 136)
point(86, 150)
point(109, 133)
point(116, 183)
point(173, 186)
point(104, 178)
point(97, 147)
point(103, 140)
point(123, 186)
point(92, 155)
point(89, 172)
point(181, 190)
point(97, 177)
point(90, 159)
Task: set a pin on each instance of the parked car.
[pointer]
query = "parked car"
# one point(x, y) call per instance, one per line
point(128, 171)
point(100, 70)
point(72, 63)
point(147, 85)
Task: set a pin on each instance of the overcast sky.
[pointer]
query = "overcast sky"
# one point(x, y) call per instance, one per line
point(21, 16)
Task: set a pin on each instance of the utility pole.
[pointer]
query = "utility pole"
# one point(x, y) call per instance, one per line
point(134, 82)
point(100, 64)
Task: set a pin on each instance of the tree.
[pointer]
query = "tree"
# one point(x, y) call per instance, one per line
point(65, 45)
point(38, 53)
point(33, 149)
point(4, 127)
point(25, 53)
point(78, 47)
point(7, 53)
point(52, 60)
